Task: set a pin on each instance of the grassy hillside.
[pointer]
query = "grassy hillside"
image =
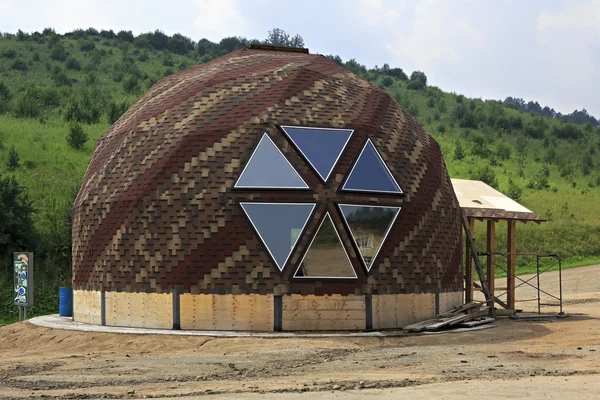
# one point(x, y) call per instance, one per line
point(51, 85)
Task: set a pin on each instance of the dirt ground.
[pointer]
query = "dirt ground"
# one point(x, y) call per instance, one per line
point(556, 358)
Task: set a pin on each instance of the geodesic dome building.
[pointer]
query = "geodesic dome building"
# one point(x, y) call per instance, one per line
point(269, 189)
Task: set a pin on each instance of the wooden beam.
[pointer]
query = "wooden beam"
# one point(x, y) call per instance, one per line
point(491, 249)
point(511, 244)
point(469, 265)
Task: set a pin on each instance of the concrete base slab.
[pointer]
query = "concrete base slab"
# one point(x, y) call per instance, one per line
point(55, 322)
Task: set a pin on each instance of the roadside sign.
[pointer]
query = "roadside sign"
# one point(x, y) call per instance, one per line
point(23, 287)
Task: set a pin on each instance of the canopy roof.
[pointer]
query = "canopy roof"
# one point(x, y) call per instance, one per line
point(482, 201)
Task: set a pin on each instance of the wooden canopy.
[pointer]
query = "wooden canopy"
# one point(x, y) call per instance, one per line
point(482, 202)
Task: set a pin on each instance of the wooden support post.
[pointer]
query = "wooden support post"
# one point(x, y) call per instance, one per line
point(469, 266)
point(491, 248)
point(511, 263)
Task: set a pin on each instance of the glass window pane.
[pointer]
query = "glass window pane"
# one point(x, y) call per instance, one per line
point(369, 227)
point(370, 174)
point(320, 146)
point(326, 256)
point(269, 169)
point(279, 226)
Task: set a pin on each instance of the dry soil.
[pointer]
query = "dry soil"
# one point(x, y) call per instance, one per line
point(554, 358)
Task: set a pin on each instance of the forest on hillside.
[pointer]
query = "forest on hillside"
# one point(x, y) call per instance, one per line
point(60, 93)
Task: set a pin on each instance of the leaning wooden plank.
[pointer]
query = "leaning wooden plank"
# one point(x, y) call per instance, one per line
point(419, 326)
point(464, 307)
point(456, 320)
point(470, 324)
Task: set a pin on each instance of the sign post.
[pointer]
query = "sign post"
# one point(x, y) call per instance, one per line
point(23, 282)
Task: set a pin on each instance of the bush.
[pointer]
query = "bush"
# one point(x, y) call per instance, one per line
point(58, 53)
point(19, 65)
point(503, 150)
point(387, 81)
point(116, 110)
point(415, 85)
point(9, 53)
point(459, 152)
point(514, 191)
point(87, 46)
point(13, 159)
point(485, 174)
point(76, 137)
point(5, 97)
point(73, 64)
point(131, 84)
point(36, 99)
point(539, 181)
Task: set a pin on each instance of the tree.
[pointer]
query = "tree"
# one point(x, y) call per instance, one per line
point(485, 174)
point(419, 76)
point(459, 152)
point(503, 150)
point(514, 191)
point(76, 137)
point(5, 97)
point(279, 37)
point(16, 229)
point(13, 159)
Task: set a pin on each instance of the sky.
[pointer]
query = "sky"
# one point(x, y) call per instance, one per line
point(542, 50)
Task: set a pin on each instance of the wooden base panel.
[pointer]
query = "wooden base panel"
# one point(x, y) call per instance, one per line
point(141, 310)
point(323, 313)
point(244, 312)
point(87, 307)
point(252, 312)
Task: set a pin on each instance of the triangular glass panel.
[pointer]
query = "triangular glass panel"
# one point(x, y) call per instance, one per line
point(326, 256)
point(279, 226)
point(370, 174)
point(369, 227)
point(321, 147)
point(268, 168)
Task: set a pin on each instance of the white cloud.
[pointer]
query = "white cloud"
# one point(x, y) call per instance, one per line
point(220, 18)
point(4, 6)
point(569, 41)
point(438, 33)
point(375, 12)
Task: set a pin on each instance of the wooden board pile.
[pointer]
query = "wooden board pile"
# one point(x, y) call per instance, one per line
point(465, 316)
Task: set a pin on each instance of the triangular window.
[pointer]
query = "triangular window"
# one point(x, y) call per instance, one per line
point(321, 147)
point(370, 174)
point(279, 225)
point(369, 227)
point(326, 256)
point(269, 169)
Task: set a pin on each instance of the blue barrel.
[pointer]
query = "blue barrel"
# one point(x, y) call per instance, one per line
point(65, 306)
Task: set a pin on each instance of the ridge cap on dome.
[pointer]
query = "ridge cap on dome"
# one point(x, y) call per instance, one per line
point(276, 48)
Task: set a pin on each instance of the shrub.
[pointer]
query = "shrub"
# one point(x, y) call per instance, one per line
point(9, 53)
point(387, 81)
point(131, 84)
point(116, 110)
point(485, 174)
point(441, 128)
point(459, 152)
point(19, 65)
point(503, 150)
point(514, 191)
point(13, 159)
point(73, 64)
point(431, 102)
point(58, 53)
point(87, 46)
point(415, 85)
point(5, 97)
point(28, 104)
point(76, 137)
